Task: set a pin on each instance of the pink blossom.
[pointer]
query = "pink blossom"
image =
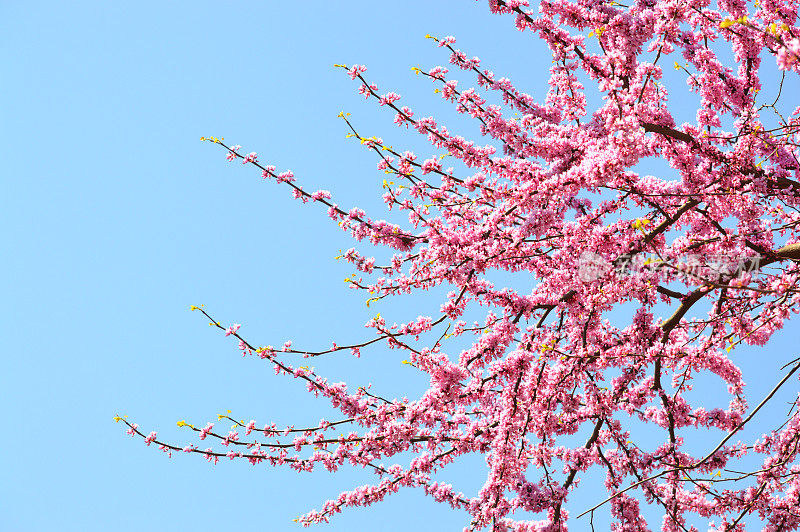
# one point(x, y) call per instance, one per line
point(232, 152)
point(205, 431)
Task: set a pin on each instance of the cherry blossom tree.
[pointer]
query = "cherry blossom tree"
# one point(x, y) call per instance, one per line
point(550, 385)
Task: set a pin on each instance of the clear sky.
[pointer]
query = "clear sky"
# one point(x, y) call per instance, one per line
point(116, 218)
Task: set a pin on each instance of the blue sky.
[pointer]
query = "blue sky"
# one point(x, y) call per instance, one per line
point(116, 218)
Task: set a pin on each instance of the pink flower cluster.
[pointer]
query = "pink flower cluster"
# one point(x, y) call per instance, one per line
point(546, 379)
